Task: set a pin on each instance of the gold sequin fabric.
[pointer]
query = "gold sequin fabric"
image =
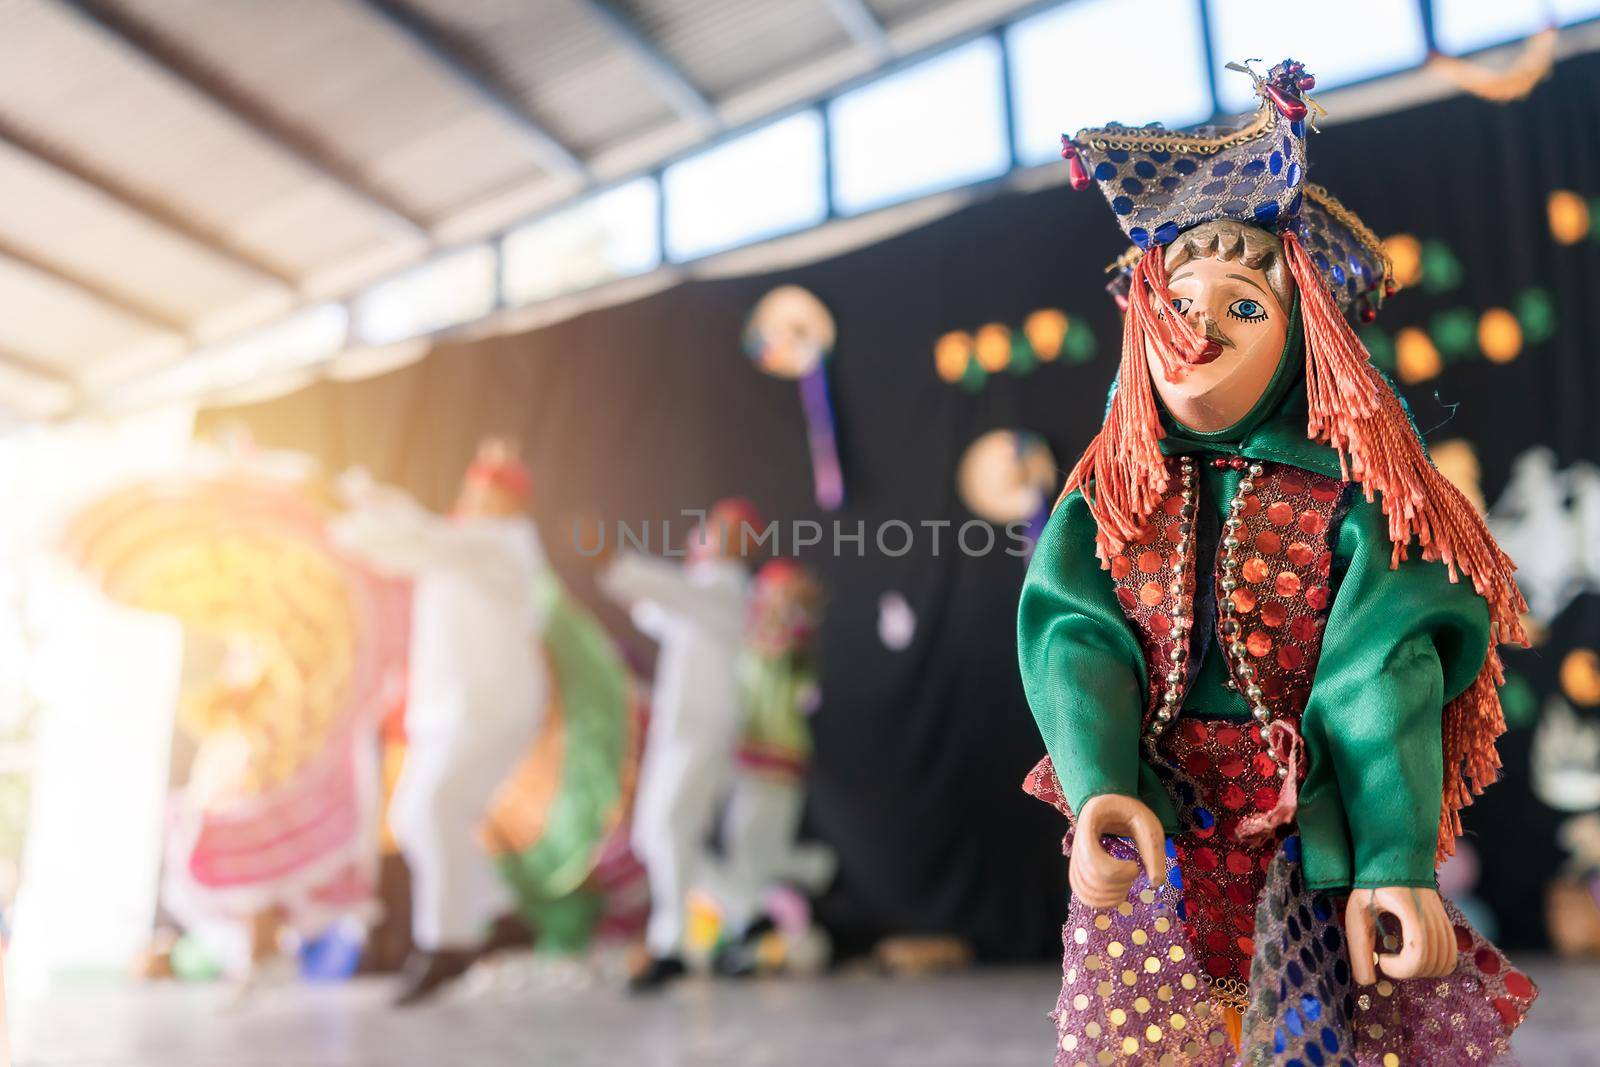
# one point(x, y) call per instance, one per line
point(1132, 991)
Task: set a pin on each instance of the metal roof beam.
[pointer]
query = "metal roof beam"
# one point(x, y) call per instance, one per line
point(161, 215)
point(553, 154)
point(247, 112)
point(670, 80)
point(863, 26)
point(145, 314)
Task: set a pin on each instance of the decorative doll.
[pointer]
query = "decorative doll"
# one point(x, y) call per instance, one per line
point(1258, 635)
point(778, 672)
point(696, 612)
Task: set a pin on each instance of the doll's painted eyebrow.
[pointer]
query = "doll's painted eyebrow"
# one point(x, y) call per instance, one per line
point(1248, 282)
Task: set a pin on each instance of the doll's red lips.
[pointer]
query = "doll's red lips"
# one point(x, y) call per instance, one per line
point(1207, 354)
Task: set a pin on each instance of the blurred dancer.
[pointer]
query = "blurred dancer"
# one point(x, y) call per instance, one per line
point(696, 612)
point(477, 697)
point(779, 680)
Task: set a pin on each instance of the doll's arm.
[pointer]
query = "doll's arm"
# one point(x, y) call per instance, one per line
point(1399, 644)
point(1082, 668)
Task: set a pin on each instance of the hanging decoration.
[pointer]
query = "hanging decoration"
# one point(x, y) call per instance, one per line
point(1009, 476)
point(967, 359)
point(1531, 66)
point(791, 334)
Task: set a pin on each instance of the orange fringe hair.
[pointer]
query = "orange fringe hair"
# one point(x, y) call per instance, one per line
point(1124, 478)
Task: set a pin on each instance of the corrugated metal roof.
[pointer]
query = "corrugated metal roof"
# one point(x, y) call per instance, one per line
point(181, 170)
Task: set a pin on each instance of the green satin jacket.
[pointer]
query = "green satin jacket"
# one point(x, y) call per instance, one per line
point(1399, 644)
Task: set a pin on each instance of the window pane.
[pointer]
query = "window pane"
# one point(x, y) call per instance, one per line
point(1463, 25)
point(938, 124)
point(757, 185)
point(1070, 69)
point(1569, 11)
point(1339, 41)
point(608, 236)
point(456, 287)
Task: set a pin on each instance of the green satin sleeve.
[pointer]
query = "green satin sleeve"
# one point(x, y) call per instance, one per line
point(1082, 668)
point(1399, 644)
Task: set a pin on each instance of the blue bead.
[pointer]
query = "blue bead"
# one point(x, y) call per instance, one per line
point(1254, 167)
point(1117, 155)
point(1204, 818)
point(1104, 171)
point(1203, 208)
point(1308, 960)
point(1294, 205)
point(1185, 166)
point(1297, 977)
point(1275, 163)
point(1213, 188)
point(1298, 128)
point(1139, 237)
point(1166, 233)
point(1234, 207)
point(1321, 908)
point(1311, 1007)
point(1267, 212)
point(1331, 938)
point(1291, 1019)
point(1294, 928)
point(1172, 849)
point(1338, 274)
point(1288, 147)
point(1279, 1043)
point(1222, 169)
point(1341, 971)
point(1330, 1039)
point(1132, 185)
point(1314, 1054)
point(1291, 848)
point(1357, 267)
point(1293, 177)
point(1122, 205)
point(1144, 169)
point(1160, 157)
point(1295, 1062)
point(1350, 287)
point(1338, 250)
point(1169, 183)
point(1316, 257)
point(1175, 876)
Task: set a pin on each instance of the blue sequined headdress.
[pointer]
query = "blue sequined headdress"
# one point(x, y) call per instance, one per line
point(1161, 182)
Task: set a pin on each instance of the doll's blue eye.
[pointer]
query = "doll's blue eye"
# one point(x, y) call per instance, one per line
point(1247, 310)
point(1180, 304)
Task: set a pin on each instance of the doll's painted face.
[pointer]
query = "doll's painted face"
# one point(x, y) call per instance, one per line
point(1234, 308)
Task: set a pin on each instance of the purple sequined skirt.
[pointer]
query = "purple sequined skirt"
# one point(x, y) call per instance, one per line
point(1135, 991)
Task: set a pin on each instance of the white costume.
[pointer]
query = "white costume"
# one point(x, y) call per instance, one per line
point(478, 690)
point(696, 612)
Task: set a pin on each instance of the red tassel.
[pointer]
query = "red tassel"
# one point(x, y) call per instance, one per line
point(1288, 748)
point(1122, 473)
point(1354, 410)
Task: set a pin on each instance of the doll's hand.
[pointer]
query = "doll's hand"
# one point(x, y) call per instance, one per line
point(1097, 878)
point(1427, 941)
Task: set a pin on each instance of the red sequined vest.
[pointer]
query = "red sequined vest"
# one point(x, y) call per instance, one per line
point(1281, 600)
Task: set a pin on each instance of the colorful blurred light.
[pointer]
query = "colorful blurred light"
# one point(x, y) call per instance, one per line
point(1405, 254)
point(1045, 330)
point(1499, 336)
point(1569, 216)
point(1416, 360)
point(1536, 313)
point(994, 347)
point(1441, 270)
point(951, 353)
point(1580, 677)
point(1454, 332)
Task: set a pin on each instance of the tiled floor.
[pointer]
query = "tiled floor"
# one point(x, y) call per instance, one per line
point(980, 1019)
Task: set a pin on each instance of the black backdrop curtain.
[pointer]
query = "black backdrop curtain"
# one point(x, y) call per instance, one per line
point(638, 411)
